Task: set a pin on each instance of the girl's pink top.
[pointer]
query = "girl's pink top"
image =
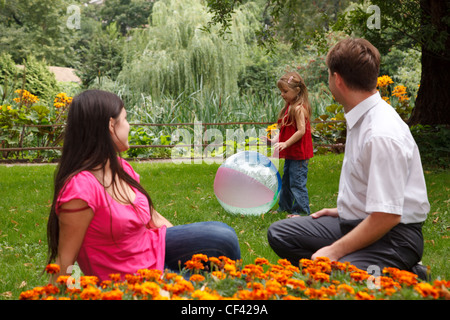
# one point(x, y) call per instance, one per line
point(117, 239)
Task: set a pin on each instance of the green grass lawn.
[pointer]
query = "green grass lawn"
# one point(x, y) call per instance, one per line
point(183, 193)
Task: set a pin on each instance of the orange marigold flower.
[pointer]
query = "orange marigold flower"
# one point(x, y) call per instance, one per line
point(114, 294)
point(359, 275)
point(148, 289)
point(402, 276)
point(261, 261)
point(197, 278)
point(284, 262)
point(215, 260)
point(219, 275)
point(275, 288)
point(179, 287)
point(253, 271)
point(63, 280)
point(171, 275)
point(151, 275)
point(290, 297)
point(296, 284)
point(200, 257)
point(193, 265)
point(52, 268)
point(90, 293)
point(196, 262)
point(88, 280)
point(205, 295)
point(426, 289)
point(115, 277)
point(29, 295)
point(321, 276)
point(132, 279)
point(361, 295)
point(314, 293)
point(51, 289)
point(336, 265)
point(346, 289)
point(105, 284)
point(304, 263)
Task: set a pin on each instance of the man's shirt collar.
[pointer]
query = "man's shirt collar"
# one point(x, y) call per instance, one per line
point(361, 108)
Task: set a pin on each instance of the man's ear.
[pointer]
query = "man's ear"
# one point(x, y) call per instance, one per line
point(340, 83)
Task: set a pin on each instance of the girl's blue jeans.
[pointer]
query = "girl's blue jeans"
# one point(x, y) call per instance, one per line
point(294, 194)
point(211, 238)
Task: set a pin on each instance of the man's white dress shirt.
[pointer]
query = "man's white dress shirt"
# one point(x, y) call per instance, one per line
point(382, 170)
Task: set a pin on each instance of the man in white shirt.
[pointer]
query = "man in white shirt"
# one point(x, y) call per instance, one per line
point(382, 199)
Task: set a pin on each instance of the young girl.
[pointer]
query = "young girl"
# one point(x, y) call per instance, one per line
point(102, 217)
point(294, 144)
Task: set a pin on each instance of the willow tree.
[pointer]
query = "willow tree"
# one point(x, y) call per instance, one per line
point(176, 55)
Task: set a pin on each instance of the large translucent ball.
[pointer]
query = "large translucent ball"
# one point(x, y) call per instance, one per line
point(247, 183)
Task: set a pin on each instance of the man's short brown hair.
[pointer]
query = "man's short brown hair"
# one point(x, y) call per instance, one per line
point(357, 61)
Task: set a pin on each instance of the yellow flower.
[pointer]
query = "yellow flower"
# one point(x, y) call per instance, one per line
point(270, 130)
point(400, 93)
point(62, 100)
point(384, 81)
point(25, 97)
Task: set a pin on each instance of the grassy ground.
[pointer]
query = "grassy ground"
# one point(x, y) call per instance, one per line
point(184, 194)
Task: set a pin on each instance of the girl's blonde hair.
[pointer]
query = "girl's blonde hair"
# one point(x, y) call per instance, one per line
point(294, 80)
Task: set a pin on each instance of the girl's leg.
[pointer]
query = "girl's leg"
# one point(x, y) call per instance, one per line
point(285, 197)
point(211, 238)
point(298, 176)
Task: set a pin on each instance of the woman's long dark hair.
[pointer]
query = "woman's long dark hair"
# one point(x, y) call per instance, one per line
point(88, 145)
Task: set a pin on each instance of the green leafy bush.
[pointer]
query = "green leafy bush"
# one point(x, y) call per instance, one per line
point(434, 145)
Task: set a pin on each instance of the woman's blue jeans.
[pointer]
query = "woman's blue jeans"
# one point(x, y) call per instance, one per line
point(211, 238)
point(294, 194)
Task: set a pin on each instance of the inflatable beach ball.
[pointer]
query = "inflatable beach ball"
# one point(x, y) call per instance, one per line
point(247, 183)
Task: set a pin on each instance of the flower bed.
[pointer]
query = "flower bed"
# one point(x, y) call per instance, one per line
point(229, 279)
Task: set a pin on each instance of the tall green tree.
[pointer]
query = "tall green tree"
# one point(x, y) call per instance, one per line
point(102, 56)
point(420, 24)
point(174, 55)
point(38, 28)
point(424, 24)
point(126, 14)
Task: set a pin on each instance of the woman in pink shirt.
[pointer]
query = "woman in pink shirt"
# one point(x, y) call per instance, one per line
point(102, 217)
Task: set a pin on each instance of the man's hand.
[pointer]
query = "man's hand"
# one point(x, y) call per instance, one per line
point(371, 229)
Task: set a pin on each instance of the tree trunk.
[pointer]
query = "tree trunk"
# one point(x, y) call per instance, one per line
point(433, 98)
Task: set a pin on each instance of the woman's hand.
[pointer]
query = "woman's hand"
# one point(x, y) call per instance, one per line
point(157, 221)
